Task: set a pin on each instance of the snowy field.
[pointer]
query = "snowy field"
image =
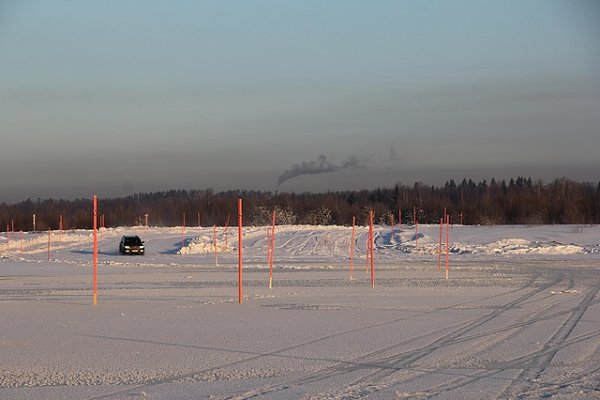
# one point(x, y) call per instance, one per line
point(519, 316)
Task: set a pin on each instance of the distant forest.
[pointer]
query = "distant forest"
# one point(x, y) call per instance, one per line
point(520, 201)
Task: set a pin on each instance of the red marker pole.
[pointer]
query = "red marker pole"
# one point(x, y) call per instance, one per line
point(352, 247)
point(60, 228)
point(447, 247)
point(95, 224)
point(392, 216)
point(440, 247)
point(272, 251)
point(240, 251)
point(372, 245)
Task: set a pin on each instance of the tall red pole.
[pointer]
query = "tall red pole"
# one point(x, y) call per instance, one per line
point(372, 245)
point(271, 255)
point(440, 248)
point(60, 228)
point(447, 247)
point(352, 247)
point(240, 251)
point(95, 224)
point(392, 216)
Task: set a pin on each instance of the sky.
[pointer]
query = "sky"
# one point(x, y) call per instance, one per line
point(116, 97)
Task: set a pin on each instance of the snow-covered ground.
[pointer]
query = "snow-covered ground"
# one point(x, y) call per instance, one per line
point(519, 316)
point(304, 244)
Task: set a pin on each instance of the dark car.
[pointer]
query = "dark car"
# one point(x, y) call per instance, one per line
point(131, 245)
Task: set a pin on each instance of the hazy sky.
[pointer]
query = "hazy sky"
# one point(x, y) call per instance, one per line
point(115, 96)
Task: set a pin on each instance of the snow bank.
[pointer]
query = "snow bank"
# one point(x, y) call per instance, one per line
point(309, 243)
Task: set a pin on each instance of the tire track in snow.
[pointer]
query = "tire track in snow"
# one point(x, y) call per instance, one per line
point(253, 357)
point(515, 363)
point(490, 372)
point(542, 359)
point(390, 365)
point(581, 376)
point(279, 353)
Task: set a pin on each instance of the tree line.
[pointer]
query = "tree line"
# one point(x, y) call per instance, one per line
point(520, 201)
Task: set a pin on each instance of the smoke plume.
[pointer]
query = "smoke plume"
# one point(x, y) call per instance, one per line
point(320, 166)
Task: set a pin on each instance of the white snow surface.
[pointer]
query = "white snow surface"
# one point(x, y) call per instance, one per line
point(333, 243)
point(517, 317)
point(302, 243)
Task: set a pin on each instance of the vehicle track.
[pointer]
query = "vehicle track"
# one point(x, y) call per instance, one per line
point(402, 360)
point(487, 373)
point(542, 359)
point(384, 367)
point(253, 356)
point(509, 331)
point(339, 367)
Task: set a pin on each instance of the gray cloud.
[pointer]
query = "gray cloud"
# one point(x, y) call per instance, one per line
point(319, 166)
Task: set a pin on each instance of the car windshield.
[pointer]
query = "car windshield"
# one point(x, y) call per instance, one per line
point(133, 241)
